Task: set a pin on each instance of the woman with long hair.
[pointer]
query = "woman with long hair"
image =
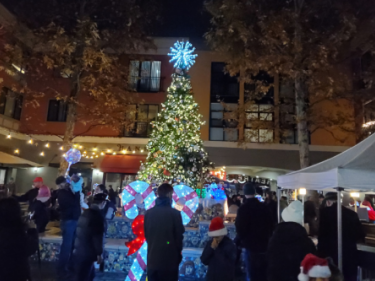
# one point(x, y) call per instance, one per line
point(17, 242)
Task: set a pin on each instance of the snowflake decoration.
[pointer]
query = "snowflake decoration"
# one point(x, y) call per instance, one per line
point(182, 55)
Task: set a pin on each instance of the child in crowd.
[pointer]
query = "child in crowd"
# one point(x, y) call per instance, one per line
point(318, 269)
point(220, 253)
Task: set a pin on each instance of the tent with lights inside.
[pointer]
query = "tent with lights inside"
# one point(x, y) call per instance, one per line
point(351, 170)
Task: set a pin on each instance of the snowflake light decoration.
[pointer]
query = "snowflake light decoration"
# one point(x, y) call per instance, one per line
point(182, 55)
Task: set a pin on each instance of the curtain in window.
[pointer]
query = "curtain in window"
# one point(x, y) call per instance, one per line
point(145, 75)
point(134, 73)
point(155, 76)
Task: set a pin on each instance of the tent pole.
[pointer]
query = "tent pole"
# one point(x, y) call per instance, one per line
point(339, 227)
point(278, 203)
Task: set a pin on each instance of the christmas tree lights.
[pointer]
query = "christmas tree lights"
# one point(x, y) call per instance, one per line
point(175, 150)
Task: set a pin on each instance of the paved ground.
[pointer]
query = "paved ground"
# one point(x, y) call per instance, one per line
point(48, 273)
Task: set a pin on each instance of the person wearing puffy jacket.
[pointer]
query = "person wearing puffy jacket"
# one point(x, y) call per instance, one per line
point(288, 246)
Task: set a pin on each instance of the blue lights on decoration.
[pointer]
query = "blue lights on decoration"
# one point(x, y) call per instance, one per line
point(182, 55)
point(186, 195)
point(136, 271)
point(217, 192)
point(129, 201)
point(72, 156)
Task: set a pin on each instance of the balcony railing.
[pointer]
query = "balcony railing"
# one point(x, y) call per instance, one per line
point(147, 84)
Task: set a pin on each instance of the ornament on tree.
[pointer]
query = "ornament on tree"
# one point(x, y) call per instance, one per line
point(166, 172)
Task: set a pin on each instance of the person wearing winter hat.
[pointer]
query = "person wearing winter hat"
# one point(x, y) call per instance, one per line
point(220, 253)
point(314, 268)
point(44, 193)
point(352, 233)
point(254, 227)
point(288, 246)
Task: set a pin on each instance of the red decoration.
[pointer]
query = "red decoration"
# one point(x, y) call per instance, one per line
point(166, 172)
point(138, 230)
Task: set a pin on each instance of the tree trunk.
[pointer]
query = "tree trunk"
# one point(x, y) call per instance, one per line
point(302, 129)
point(70, 123)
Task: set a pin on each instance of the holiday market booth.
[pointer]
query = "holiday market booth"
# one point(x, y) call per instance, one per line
point(352, 170)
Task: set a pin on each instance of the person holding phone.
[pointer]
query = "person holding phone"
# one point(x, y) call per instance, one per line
point(220, 253)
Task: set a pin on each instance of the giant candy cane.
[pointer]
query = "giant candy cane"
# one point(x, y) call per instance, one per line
point(185, 199)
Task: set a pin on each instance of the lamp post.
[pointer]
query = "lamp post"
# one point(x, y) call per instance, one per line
point(302, 192)
point(355, 195)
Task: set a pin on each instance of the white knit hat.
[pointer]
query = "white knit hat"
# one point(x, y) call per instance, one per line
point(293, 213)
point(314, 267)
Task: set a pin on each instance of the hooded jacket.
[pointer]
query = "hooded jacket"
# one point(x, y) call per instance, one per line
point(164, 234)
point(287, 248)
point(221, 262)
point(254, 225)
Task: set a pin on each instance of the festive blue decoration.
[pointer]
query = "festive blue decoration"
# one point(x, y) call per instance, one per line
point(137, 190)
point(182, 55)
point(136, 270)
point(72, 156)
point(217, 192)
point(186, 200)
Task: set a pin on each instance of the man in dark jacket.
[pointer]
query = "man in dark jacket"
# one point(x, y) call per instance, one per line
point(352, 233)
point(164, 234)
point(288, 246)
point(254, 228)
point(88, 246)
point(70, 210)
point(220, 253)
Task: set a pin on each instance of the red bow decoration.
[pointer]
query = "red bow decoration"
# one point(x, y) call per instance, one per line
point(138, 230)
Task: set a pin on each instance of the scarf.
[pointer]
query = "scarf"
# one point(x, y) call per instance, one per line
point(77, 186)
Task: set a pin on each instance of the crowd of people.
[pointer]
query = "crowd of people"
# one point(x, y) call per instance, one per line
point(83, 223)
point(302, 246)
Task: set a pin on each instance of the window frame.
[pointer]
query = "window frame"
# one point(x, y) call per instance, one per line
point(135, 81)
point(226, 135)
point(259, 113)
point(131, 133)
point(17, 107)
point(58, 108)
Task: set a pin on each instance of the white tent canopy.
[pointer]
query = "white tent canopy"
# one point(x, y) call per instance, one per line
point(352, 169)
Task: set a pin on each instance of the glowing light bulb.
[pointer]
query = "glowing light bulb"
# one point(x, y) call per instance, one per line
point(124, 151)
point(64, 155)
point(9, 136)
point(102, 153)
point(61, 148)
point(30, 141)
point(80, 147)
point(17, 151)
point(42, 153)
point(114, 153)
point(47, 145)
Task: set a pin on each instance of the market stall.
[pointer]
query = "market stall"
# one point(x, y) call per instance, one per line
point(352, 170)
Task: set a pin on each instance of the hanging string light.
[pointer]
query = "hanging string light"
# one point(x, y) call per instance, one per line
point(9, 136)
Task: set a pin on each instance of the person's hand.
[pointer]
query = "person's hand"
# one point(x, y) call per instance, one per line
point(100, 259)
point(214, 244)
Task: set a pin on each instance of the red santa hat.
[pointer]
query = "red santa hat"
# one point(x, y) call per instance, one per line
point(217, 228)
point(314, 267)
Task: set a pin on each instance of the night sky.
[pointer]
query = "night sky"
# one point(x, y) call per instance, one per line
point(183, 18)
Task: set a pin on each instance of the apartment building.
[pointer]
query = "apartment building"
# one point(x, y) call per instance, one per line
point(30, 142)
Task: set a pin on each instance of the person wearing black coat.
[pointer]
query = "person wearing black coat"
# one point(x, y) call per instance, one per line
point(288, 246)
point(352, 233)
point(88, 245)
point(220, 253)
point(70, 210)
point(254, 227)
point(164, 234)
point(17, 242)
point(38, 208)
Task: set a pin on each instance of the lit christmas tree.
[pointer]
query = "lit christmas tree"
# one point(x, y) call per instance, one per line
point(175, 150)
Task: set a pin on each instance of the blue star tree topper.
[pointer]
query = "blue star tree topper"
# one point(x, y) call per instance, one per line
point(182, 55)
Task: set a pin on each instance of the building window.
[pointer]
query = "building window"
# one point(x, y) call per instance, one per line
point(259, 123)
point(142, 116)
point(224, 88)
point(11, 104)
point(145, 75)
point(57, 111)
point(223, 122)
